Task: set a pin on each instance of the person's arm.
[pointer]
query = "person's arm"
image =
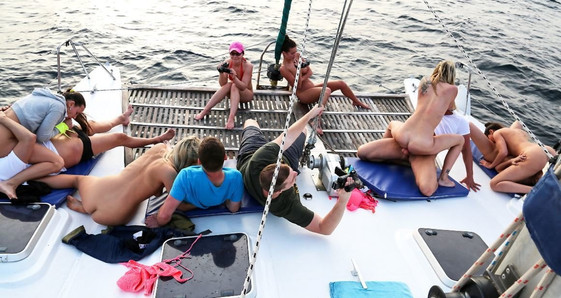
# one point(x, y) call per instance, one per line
point(468, 162)
point(297, 127)
point(327, 224)
point(233, 206)
point(47, 129)
point(222, 76)
point(164, 213)
point(246, 79)
point(238, 193)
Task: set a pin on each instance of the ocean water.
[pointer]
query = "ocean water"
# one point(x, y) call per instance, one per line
point(515, 43)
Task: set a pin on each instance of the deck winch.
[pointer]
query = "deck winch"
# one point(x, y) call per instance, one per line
point(326, 163)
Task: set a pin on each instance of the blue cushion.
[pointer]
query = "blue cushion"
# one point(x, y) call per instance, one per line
point(249, 204)
point(397, 182)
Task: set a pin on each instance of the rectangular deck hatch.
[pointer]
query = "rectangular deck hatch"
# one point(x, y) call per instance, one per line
point(21, 228)
point(219, 264)
point(451, 253)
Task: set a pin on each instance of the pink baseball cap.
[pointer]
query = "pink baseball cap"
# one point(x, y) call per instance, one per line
point(236, 46)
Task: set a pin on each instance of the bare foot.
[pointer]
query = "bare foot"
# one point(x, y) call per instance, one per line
point(166, 136)
point(75, 204)
point(124, 119)
point(200, 115)
point(8, 189)
point(230, 124)
point(446, 182)
point(361, 105)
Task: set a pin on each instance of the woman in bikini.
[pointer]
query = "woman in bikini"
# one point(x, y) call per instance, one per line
point(235, 82)
point(307, 91)
point(113, 200)
point(82, 143)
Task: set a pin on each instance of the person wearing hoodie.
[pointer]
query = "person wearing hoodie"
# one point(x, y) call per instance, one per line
point(40, 112)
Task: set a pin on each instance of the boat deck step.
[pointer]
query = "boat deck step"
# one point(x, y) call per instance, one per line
point(345, 126)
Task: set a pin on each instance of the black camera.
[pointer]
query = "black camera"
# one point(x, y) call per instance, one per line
point(342, 180)
point(224, 68)
point(304, 64)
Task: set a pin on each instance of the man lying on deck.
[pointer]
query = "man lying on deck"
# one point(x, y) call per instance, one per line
point(113, 200)
point(207, 185)
point(257, 161)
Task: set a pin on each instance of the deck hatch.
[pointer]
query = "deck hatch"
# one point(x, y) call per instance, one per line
point(26, 224)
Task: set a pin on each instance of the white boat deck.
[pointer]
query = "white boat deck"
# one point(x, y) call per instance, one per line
point(292, 262)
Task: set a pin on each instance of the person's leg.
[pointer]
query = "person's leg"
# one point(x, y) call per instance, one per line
point(234, 102)
point(507, 180)
point(251, 140)
point(294, 152)
point(424, 169)
point(485, 146)
point(311, 95)
point(69, 181)
point(449, 160)
point(215, 99)
point(386, 149)
point(43, 162)
point(346, 90)
point(105, 126)
point(103, 142)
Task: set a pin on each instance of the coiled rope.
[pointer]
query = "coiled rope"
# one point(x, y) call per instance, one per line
point(293, 99)
point(497, 94)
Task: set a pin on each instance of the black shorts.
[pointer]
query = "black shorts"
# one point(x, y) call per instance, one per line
point(253, 138)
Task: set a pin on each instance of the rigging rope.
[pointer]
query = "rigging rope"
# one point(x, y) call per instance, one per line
point(293, 99)
point(342, 22)
point(497, 94)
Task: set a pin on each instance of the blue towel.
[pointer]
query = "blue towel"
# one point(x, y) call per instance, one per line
point(379, 289)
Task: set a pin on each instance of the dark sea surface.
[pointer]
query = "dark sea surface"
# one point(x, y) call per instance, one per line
point(516, 44)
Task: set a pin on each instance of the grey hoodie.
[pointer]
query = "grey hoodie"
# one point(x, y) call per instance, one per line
point(40, 112)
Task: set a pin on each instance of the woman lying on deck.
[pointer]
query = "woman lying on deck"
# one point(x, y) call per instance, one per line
point(38, 112)
point(113, 200)
point(511, 152)
point(78, 145)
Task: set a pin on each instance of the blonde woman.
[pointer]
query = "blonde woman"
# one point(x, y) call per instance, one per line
point(113, 200)
point(415, 141)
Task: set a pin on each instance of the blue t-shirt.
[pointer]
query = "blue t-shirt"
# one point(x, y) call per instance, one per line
point(193, 186)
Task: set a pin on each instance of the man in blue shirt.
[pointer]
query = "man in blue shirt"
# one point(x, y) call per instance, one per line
point(202, 186)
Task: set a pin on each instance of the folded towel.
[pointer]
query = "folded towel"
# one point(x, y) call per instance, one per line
point(380, 289)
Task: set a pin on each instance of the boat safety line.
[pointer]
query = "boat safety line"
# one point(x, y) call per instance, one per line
point(497, 94)
point(293, 99)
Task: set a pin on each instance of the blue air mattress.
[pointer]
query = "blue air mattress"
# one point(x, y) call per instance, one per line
point(58, 196)
point(397, 182)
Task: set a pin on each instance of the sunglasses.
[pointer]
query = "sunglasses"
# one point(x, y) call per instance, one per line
point(234, 53)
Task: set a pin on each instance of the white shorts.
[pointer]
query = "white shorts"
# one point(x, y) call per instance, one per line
point(10, 165)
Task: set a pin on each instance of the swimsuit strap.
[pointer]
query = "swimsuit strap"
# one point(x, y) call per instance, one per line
point(241, 66)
